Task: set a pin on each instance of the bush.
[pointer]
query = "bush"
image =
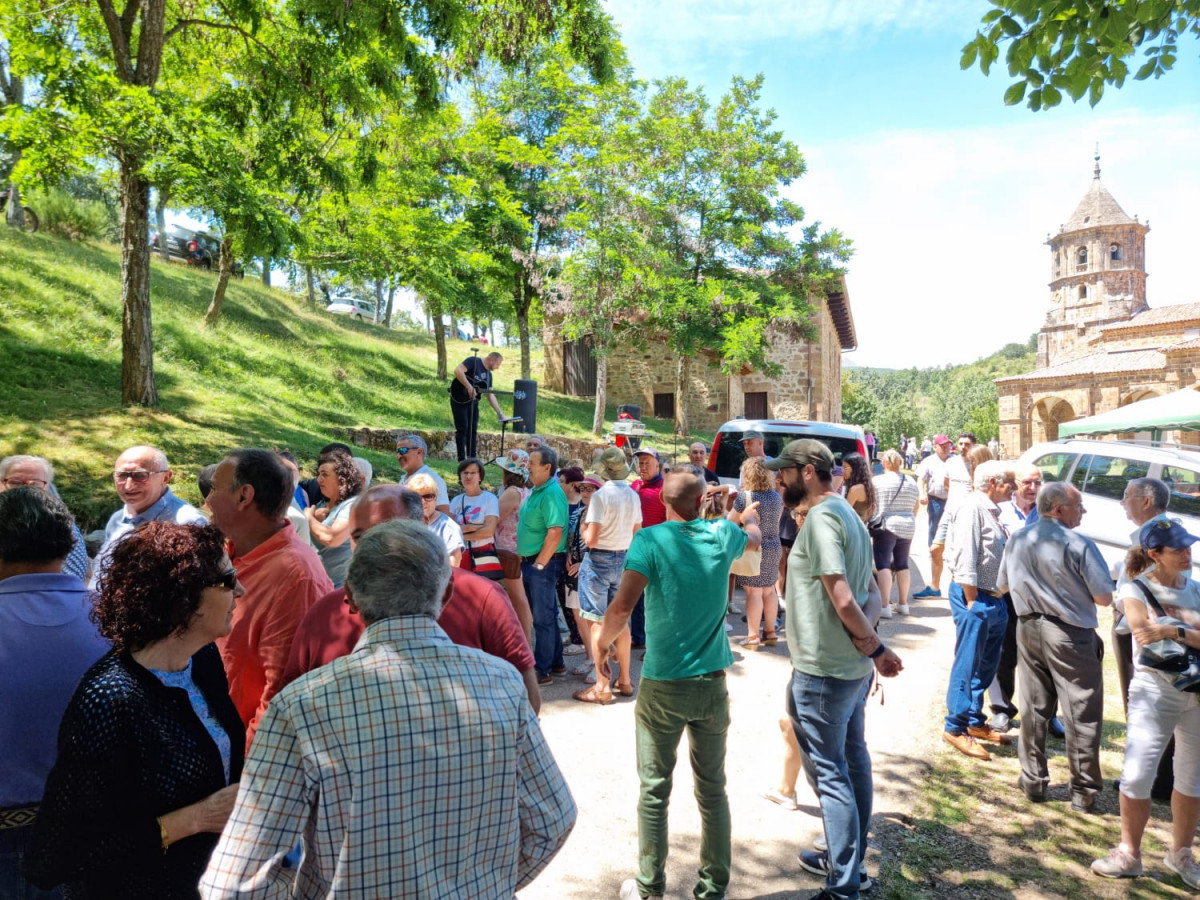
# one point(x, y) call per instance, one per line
point(69, 217)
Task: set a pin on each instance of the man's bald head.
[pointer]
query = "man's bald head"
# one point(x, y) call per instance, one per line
point(382, 503)
point(683, 491)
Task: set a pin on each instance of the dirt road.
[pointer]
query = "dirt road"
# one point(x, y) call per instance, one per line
point(595, 747)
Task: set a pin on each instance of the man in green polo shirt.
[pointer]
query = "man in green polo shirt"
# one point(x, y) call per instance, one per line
point(541, 544)
point(682, 565)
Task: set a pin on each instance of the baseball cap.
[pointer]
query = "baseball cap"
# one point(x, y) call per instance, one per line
point(1159, 533)
point(803, 452)
point(647, 451)
point(941, 439)
point(751, 433)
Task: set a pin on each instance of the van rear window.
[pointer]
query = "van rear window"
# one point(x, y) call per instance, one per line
point(730, 455)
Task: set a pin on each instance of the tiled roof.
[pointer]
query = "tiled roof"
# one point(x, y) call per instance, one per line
point(1096, 364)
point(1098, 207)
point(843, 319)
point(1193, 344)
point(1158, 315)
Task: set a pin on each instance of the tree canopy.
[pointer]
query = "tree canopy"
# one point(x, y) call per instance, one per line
point(1077, 47)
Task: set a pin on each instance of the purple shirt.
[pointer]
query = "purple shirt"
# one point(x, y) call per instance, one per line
point(47, 642)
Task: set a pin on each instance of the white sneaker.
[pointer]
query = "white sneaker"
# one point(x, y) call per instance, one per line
point(886, 612)
point(582, 668)
point(1182, 864)
point(573, 649)
point(902, 608)
point(629, 891)
point(820, 843)
point(787, 801)
point(728, 628)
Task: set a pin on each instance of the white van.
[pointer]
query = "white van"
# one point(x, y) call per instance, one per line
point(1102, 469)
point(727, 456)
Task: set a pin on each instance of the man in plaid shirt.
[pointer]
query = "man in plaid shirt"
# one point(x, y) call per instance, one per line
point(413, 767)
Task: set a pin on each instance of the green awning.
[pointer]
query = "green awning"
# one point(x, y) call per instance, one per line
point(1179, 411)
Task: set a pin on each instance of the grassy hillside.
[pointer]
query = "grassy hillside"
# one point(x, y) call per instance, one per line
point(272, 372)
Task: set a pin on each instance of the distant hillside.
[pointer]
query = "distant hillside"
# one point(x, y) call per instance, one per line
point(927, 401)
point(272, 372)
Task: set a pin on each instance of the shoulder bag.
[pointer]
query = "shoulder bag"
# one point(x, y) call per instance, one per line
point(875, 523)
point(1173, 657)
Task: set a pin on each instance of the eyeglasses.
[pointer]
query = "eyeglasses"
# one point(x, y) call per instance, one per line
point(226, 580)
point(428, 496)
point(588, 489)
point(22, 482)
point(400, 451)
point(137, 476)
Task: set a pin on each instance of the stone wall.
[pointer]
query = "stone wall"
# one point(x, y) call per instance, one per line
point(571, 451)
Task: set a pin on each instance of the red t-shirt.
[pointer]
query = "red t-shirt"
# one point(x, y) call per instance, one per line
point(654, 511)
point(477, 615)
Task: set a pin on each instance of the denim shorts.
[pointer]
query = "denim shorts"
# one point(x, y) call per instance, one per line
point(599, 575)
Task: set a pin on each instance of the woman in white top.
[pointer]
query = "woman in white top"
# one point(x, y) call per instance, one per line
point(897, 497)
point(1156, 708)
point(439, 523)
point(475, 510)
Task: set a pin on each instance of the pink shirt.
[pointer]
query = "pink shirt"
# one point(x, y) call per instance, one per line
point(283, 577)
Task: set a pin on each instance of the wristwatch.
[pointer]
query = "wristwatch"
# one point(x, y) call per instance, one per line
point(539, 566)
point(1180, 632)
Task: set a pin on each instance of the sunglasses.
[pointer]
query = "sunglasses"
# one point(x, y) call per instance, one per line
point(400, 451)
point(428, 496)
point(137, 476)
point(226, 580)
point(1165, 524)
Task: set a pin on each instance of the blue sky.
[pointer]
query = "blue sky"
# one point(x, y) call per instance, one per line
point(947, 193)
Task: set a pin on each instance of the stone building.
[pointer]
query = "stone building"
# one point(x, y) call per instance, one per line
point(808, 387)
point(1101, 345)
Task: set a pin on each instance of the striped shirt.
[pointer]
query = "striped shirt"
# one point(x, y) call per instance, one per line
point(411, 768)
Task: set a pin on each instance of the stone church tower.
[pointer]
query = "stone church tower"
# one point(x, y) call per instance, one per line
point(1098, 272)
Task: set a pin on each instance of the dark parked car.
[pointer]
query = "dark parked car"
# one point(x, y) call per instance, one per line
point(196, 248)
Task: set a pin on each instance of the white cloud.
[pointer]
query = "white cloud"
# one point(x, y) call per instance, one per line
point(949, 225)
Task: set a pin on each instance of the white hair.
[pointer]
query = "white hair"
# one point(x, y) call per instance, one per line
point(992, 470)
point(399, 568)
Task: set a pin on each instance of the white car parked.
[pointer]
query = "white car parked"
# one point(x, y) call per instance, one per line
point(727, 456)
point(349, 306)
point(1102, 469)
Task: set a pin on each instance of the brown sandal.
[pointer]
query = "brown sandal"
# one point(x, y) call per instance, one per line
point(591, 695)
point(625, 690)
point(770, 639)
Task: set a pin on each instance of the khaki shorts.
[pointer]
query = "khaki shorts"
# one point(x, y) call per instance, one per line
point(511, 563)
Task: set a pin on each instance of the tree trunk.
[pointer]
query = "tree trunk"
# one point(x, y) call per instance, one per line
point(266, 272)
point(522, 292)
point(312, 292)
point(439, 329)
point(391, 299)
point(682, 381)
point(601, 393)
point(15, 211)
point(225, 270)
point(160, 222)
point(453, 327)
point(378, 300)
point(492, 332)
point(137, 336)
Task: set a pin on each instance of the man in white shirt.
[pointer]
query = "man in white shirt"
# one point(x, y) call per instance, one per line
point(934, 482)
point(411, 451)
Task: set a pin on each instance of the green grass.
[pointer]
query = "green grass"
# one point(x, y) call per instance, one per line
point(973, 834)
point(271, 372)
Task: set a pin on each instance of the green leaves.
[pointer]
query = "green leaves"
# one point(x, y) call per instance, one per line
point(1077, 47)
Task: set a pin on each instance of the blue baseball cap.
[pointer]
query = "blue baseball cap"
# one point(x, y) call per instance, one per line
point(1159, 533)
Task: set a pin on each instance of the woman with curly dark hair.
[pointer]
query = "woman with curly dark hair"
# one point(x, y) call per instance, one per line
point(329, 524)
point(857, 487)
point(150, 747)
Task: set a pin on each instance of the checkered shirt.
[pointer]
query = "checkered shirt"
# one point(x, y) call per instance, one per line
point(413, 767)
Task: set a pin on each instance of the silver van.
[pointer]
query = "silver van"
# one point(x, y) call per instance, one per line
point(727, 456)
point(1102, 469)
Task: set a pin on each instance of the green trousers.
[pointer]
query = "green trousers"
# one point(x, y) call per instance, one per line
point(664, 710)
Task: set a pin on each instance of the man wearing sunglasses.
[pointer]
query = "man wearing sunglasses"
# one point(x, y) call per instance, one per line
point(142, 478)
point(410, 451)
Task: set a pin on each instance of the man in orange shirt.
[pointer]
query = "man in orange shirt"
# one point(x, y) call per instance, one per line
point(282, 576)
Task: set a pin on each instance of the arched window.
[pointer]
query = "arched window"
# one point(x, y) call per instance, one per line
point(1081, 256)
point(1057, 264)
point(1083, 292)
point(1114, 252)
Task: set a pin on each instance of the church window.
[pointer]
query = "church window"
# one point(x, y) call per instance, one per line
point(1114, 252)
point(1083, 292)
point(1057, 264)
point(1081, 256)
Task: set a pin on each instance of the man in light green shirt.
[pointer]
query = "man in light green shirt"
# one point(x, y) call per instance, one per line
point(541, 544)
point(833, 604)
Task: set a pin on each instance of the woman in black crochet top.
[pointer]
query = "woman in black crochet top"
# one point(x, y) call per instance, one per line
point(151, 746)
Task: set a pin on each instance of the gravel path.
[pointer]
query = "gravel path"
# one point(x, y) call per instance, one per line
point(595, 747)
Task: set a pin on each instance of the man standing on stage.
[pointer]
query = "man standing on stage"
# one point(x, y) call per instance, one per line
point(472, 376)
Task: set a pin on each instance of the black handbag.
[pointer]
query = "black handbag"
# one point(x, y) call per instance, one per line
point(875, 523)
point(1173, 657)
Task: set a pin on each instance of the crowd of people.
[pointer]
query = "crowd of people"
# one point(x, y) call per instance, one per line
point(321, 687)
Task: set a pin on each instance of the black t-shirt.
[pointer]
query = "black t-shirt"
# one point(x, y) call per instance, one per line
point(478, 375)
point(710, 477)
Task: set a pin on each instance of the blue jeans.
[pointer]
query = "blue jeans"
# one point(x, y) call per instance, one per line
point(978, 640)
point(934, 509)
point(637, 621)
point(542, 590)
point(599, 576)
point(828, 718)
point(14, 844)
point(665, 709)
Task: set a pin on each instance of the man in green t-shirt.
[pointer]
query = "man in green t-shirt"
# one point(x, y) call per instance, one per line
point(833, 603)
point(682, 564)
point(542, 544)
